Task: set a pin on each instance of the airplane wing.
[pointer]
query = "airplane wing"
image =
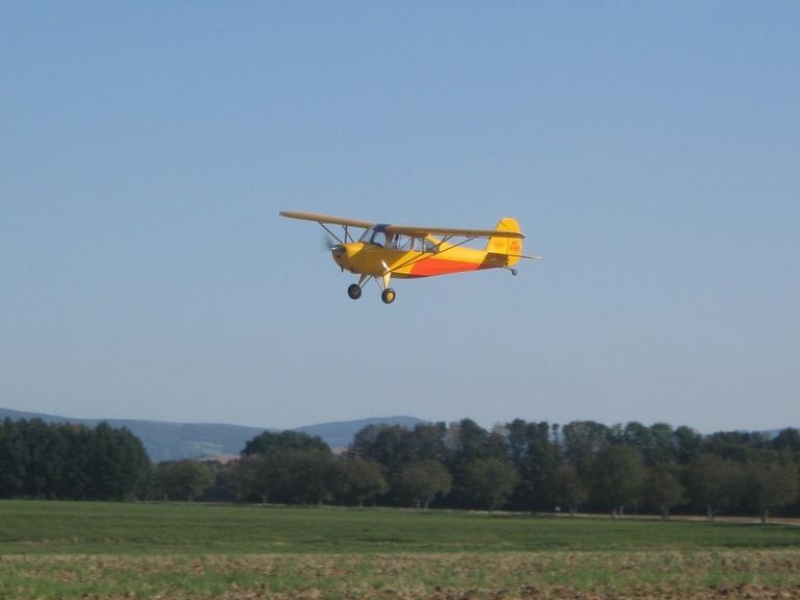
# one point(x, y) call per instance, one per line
point(345, 222)
point(449, 231)
point(403, 229)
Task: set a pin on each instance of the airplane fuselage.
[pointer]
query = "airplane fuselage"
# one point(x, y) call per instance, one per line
point(366, 258)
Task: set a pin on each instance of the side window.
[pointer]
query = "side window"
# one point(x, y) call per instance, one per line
point(428, 246)
point(405, 243)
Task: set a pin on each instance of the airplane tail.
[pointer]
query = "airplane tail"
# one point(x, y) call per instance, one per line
point(510, 247)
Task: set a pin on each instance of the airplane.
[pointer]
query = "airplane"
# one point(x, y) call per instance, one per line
point(383, 252)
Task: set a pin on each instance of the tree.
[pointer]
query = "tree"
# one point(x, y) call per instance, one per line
point(13, 457)
point(769, 487)
point(662, 445)
point(182, 480)
point(734, 445)
point(135, 469)
point(714, 483)
point(253, 477)
point(289, 466)
point(270, 441)
point(224, 488)
point(534, 456)
point(309, 476)
point(488, 482)
point(639, 437)
point(618, 478)
point(663, 489)
point(655, 443)
point(566, 488)
point(390, 445)
point(582, 441)
point(45, 456)
point(429, 441)
point(119, 466)
point(470, 441)
point(787, 440)
point(75, 482)
point(421, 482)
point(687, 444)
point(362, 480)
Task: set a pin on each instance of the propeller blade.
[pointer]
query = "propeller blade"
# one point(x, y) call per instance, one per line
point(328, 242)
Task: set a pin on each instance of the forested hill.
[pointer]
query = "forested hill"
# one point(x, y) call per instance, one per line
point(173, 441)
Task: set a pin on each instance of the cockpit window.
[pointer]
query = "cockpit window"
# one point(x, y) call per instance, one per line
point(394, 241)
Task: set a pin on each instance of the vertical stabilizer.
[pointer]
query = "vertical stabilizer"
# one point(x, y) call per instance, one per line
point(511, 247)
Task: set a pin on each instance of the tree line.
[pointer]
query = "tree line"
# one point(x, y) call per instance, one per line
point(71, 462)
point(527, 466)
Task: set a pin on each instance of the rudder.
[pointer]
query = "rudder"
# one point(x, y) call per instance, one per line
point(511, 247)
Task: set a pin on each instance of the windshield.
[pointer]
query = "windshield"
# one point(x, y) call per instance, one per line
point(378, 236)
point(373, 236)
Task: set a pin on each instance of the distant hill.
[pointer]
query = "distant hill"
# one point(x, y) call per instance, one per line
point(340, 434)
point(173, 441)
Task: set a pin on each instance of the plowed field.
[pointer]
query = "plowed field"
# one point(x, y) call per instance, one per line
point(538, 575)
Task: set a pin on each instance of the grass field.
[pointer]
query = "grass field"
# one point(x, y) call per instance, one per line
point(68, 550)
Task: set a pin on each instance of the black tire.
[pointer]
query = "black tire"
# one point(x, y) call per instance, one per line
point(354, 291)
point(388, 295)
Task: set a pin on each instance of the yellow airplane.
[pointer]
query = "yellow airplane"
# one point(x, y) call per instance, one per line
point(385, 251)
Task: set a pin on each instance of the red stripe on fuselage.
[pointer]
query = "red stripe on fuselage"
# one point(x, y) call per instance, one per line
point(441, 266)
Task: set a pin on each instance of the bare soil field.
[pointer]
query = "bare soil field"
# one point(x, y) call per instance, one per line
point(753, 575)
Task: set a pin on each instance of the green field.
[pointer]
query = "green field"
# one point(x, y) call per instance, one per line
point(52, 550)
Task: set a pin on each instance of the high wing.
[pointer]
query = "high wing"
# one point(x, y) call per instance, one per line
point(344, 222)
point(410, 230)
point(452, 232)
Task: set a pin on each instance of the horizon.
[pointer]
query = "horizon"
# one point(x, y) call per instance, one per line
point(387, 417)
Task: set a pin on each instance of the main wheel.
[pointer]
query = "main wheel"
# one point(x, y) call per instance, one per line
point(388, 295)
point(354, 291)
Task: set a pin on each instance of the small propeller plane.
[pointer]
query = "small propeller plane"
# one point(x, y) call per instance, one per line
point(382, 251)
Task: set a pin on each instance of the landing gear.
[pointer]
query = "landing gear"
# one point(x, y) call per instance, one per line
point(354, 291)
point(387, 295)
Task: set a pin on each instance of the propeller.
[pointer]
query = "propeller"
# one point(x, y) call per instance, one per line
point(328, 242)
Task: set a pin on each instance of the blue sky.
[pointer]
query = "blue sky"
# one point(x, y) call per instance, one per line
point(651, 152)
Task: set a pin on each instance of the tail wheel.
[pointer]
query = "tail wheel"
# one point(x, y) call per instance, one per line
point(388, 295)
point(354, 291)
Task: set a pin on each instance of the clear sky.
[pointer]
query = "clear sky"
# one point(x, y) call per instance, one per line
point(650, 150)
